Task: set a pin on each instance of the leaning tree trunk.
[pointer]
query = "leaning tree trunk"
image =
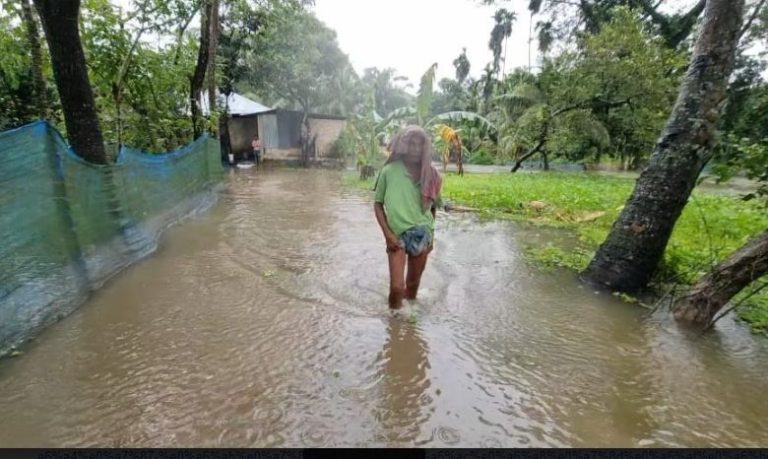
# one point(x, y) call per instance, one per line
point(628, 258)
point(213, 43)
point(33, 37)
point(224, 137)
point(60, 22)
point(198, 78)
point(727, 279)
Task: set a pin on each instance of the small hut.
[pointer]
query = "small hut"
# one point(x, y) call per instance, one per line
point(280, 130)
point(245, 120)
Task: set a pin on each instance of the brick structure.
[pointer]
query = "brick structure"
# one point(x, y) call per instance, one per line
point(327, 130)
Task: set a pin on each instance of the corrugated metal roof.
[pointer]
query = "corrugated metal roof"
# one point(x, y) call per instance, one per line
point(238, 105)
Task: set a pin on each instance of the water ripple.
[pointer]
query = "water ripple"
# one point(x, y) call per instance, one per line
point(264, 324)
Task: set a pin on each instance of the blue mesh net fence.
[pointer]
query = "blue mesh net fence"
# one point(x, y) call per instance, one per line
point(66, 225)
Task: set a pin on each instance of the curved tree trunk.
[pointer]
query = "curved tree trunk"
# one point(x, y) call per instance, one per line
point(727, 279)
point(197, 79)
point(60, 22)
point(213, 44)
point(224, 137)
point(520, 160)
point(628, 258)
point(33, 37)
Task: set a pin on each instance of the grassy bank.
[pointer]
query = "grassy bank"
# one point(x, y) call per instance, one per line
point(711, 226)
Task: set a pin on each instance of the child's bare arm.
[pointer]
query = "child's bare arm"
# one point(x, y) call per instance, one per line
point(392, 241)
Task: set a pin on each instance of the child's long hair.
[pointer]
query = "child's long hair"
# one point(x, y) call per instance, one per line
point(413, 141)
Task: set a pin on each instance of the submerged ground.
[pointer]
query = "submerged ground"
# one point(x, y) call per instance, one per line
point(715, 223)
point(264, 323)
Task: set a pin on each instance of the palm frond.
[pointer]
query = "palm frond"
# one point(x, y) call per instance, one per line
point(458, 116)
point(590, 126)
point(523, 95)
point(396, 114)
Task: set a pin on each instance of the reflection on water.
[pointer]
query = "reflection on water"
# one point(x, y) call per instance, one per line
point(404, 400)
point(264, 323)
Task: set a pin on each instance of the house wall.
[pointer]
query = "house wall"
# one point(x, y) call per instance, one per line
point(242, 130)
point(327, 131)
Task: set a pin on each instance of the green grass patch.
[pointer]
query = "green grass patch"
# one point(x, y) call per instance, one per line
point(710, 228)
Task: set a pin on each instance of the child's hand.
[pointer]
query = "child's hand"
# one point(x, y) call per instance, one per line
point(393, 242)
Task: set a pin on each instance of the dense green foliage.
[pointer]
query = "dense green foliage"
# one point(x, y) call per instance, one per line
point(17, 105)
point(141, 59)
point(296, 63)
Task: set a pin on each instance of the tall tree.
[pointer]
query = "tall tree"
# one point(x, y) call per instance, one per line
point(33, 37)
point(61, 26)
point(568, 18)
point(197, 80)
point(500, 33)
point(297, 58)
point(462, 66)
point(388, 93)
point(213, 46)
point(630, 255)
point(239, 21)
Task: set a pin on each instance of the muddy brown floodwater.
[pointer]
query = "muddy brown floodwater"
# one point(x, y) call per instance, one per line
point(264, 323)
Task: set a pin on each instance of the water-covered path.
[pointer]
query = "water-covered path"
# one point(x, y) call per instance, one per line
point(264, 323)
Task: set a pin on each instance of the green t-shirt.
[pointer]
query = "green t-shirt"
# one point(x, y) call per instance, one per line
point(402, 199)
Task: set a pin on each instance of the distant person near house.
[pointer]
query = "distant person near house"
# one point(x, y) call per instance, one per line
point(257, 149)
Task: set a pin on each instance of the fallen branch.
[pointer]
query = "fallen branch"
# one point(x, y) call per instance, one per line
point(733, 308)
point(452, 208)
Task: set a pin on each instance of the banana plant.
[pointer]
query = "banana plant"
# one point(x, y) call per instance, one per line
point(420, 114)
point(447, 141)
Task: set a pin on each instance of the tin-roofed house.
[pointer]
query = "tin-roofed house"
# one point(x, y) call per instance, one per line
point(280, 130)
point(246, 119)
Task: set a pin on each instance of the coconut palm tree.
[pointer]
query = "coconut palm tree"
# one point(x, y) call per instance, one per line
point(500, 35)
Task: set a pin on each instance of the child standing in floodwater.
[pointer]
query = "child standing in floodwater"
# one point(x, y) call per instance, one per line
point(256, 146)
point(407, 196)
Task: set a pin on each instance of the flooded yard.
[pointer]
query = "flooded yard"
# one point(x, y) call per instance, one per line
point(264, 323)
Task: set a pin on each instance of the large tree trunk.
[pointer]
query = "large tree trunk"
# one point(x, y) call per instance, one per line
point(33, 37)
point(727, 279)
point(224, 137)
point(213, 44)
point(628, 258)
point(198, 78)
point(60, 22)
